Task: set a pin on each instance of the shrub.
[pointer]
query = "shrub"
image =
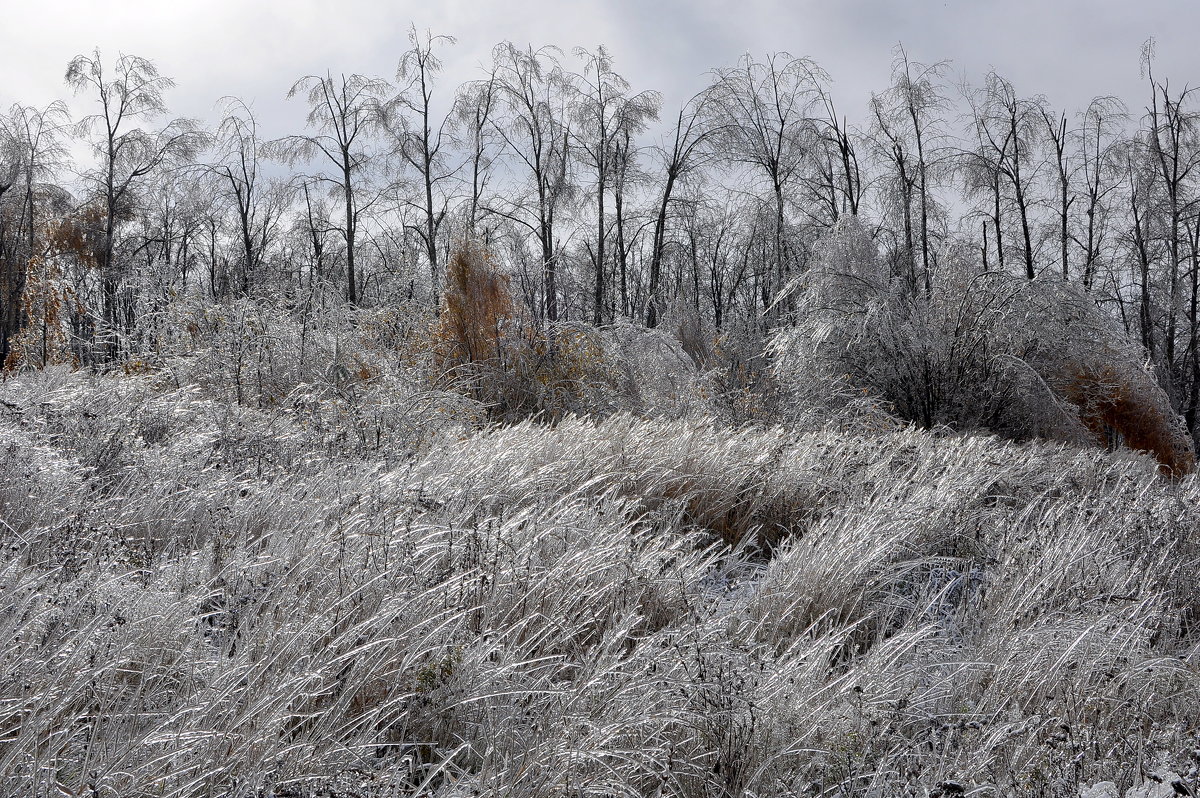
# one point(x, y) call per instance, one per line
point(1131, 411)
point(48, 302)
point(1020, 358)
point(484, 346)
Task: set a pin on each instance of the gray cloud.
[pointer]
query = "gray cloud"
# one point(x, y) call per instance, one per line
point(1069, 51)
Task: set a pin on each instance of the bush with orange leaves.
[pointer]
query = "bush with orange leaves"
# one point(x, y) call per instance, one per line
point(486, 347)
point(47, 302)
point(1134, 412)
point(1090, 364)
point(51, 305)
point(477, 311)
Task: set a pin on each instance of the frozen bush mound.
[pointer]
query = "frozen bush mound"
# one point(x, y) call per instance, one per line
point(201, 598)
point(982, 351)
point(485, 346)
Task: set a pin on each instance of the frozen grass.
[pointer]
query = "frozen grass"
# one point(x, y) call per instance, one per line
point(206, 600)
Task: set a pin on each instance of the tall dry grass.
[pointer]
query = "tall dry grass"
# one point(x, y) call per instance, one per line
point(198, 601)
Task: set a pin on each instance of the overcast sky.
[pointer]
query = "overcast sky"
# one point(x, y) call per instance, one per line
point(1069, 50)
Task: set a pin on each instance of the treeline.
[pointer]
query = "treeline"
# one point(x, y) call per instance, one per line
point(592, 202)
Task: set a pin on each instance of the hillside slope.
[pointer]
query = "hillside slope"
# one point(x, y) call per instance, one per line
point(199, 600)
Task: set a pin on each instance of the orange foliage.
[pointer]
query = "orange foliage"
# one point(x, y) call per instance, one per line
point(475, 308)
point(1110, 403)
point(76, 236)
point(48, 296)
point(484, 345)
point(43, 339)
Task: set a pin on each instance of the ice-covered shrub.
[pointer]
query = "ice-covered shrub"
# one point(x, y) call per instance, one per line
point(1021, 358)
point(249, 352)
point(651, 374)
point(486, 347)
point(354, 383)
point(738, 382)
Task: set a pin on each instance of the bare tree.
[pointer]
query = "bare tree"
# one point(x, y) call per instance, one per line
point(1008, 128)
point(686, 152)
point(314, 227)
point(172, 214)
point(32, 151)
point(474, 128)
point(1140, 178)
point(258, 205)
point(420, 139)
point(628, 223)
point(533, 91)
point(1172, 133)
point(760, 112)
point(713, 231)
point(1097, 140)
point(907, 121)
point(606, 117)
point(130, 93)
point(344, 114)
point(838, 183)
point(1056, 141)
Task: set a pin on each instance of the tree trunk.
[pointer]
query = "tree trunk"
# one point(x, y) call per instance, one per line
point(351, 224)
point(656, 252)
